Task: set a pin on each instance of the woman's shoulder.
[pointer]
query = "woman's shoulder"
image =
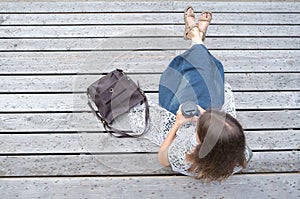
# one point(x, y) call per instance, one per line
point(248, 155)
point(229, 101)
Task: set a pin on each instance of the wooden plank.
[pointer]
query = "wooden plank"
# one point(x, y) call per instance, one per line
point(149, 6)
point(102, 6)
point(144, 31)
point(74, 165)
point(242, 6)
point(141, 61)
point(78, 102)
point(78, 122)
point(264, 81)
point(49, 122)
point(76, 62)
point(51, 149)
point(149, 82)
point(278, 186)
point(286, 119)
point(127, 164)
point(256, 186)
point(144, 18)
point(43, 102)
point(267, 100)
point(81, 142)
point(87, 44)
point(266, 161)
point(266, 140)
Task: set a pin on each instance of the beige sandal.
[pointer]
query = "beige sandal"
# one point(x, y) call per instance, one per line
point(187, 27)
point(209, 18)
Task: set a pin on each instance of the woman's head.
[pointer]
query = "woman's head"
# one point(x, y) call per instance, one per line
point(221, 148)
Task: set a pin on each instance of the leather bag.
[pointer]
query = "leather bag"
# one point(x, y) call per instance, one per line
point(113, 95)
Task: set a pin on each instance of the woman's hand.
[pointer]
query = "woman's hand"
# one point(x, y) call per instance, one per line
point(180, 119)
point(201, 110)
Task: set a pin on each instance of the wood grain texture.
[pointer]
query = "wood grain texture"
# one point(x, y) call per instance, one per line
point(81, 142)
point(149, 82)
point(51, 145)
point(144, 31)
point(66, 102)
point(261, 185)
point(127, 164)
point(78, 122)
point(137, 6)
point(144, 18)
point(161, 43)
point(142, 61)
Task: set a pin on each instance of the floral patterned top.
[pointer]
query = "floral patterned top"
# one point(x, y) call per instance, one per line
point(161, 122)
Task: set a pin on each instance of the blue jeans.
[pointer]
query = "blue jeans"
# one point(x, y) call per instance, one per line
point(195, 75)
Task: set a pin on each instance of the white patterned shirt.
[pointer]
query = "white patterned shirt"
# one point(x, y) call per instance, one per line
point(161, 122)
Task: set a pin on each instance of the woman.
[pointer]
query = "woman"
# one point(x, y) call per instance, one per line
point(211, 146)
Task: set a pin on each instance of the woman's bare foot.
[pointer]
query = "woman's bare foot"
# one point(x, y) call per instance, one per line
point(203, 23)
point(191, 28)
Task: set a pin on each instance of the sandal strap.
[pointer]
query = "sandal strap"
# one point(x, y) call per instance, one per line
point(190, 27)
point(207, 12)
point(206, 18)
point(203, 35)
point(189, 15)
point(200, 30)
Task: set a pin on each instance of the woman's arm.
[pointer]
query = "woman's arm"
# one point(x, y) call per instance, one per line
point(163, 149)
point(229, 102)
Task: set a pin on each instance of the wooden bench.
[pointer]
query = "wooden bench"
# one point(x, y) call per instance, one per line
point(51, 145)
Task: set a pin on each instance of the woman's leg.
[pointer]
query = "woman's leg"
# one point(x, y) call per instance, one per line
point(194, 75)
point(201, 68)
point(197, 34)
point(194, 34)
point(203, 23)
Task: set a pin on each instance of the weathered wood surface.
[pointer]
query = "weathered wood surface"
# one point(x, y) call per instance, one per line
point(149, 82)
point(144, 18)
point(144, 31)
point(128, 164)
point(100, 44)
point(66, 102)
point(52, 146)
point(83, 142)
point(141, 61)
point(275, 186)
point(137, 6)
point(83, 121)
